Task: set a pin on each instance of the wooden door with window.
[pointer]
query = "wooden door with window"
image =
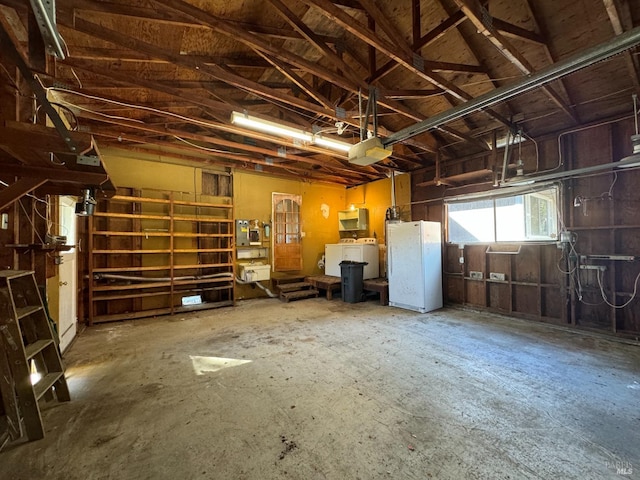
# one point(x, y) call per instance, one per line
point(287, 232)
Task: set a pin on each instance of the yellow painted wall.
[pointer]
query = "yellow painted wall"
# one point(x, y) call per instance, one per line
point(252, 199)
point(376, 198)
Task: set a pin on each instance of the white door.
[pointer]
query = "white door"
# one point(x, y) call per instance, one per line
point(67, 275)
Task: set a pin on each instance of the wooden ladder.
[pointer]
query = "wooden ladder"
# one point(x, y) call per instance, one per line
point(27, 338)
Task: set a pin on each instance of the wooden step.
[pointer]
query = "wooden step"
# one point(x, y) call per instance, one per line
point(298, 294)
point(291, 287)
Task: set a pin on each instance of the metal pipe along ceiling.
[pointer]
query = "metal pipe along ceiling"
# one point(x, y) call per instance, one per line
point(570, 65)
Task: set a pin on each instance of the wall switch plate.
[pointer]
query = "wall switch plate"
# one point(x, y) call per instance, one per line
point(4, 222)
point(476, 275)
point(497, 276)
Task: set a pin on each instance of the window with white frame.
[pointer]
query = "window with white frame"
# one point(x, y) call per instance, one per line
point(521, 217)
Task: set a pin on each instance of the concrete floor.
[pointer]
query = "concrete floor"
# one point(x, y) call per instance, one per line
point(331, 390)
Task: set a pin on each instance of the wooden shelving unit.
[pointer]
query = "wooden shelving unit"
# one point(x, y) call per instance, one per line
point(152, 256)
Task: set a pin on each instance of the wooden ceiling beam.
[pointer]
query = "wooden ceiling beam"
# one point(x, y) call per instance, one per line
point(218, 72)
point(41, 138)
point(116, 55)
point(333, 161)
point(414, 63)
point(425, 40)
point(58, 174)
point(113, 74)
point(19, 189)
point(298, 80)
point(254, 41)
point(551, 56)
point(412, 94)
point(315, 40)
point(343, 66)
point(478, 15)
point(416, 21)
point(215, 71)
point(513, 31)
point(163, 17)
point(619, 14)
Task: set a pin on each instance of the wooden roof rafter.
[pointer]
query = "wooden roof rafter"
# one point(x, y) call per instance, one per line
point(480, 18)
point(254, 42)
point(620, 15)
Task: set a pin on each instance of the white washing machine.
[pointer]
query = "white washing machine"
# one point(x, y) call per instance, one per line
point(361, 250)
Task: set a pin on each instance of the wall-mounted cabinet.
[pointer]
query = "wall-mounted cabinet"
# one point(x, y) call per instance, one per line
point(151, 256)
point(351, 220)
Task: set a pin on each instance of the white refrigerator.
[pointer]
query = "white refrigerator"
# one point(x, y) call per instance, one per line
point(414, 270)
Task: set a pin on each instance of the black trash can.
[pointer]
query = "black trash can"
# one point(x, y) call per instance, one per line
point(352, 287)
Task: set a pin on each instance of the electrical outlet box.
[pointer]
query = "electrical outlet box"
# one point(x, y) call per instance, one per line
point(566, 237)
point(497, 276)
point(476, 275)
point(602, 268)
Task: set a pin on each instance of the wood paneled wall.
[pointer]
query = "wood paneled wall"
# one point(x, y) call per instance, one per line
point(536, 285)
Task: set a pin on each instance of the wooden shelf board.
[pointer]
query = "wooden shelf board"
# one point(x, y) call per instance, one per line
point(199, 218)
point(203, 235)
point(202, 280)
point(132, 216)
point(133, 286)
point(123, 296)
point(204, 306)
point(110, 233)
point(109, 252)
point(202, 204)
point(128, 198)
point(131, 269)
point(201, 290)
point(202, 265)
point(203, 250)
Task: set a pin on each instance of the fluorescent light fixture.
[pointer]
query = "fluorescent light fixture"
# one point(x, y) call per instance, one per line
point(267, 126)
point(330, 143)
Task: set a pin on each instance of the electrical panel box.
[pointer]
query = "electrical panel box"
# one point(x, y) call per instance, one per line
point(242, 233)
